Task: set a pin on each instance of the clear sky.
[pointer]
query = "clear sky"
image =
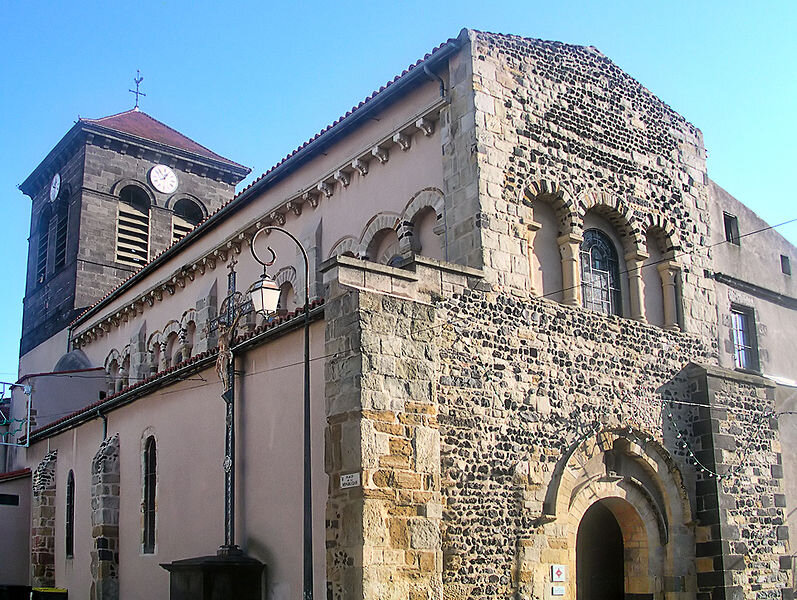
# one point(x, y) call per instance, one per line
point(253, 80)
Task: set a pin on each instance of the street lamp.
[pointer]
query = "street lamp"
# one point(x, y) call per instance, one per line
point(265, 298)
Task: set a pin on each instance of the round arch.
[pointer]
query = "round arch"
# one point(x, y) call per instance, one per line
point(117, 187)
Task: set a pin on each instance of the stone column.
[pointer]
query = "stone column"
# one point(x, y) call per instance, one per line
point(533, 227)
point(42, 547)
point(105, 521)
point(569, 248)
point(669, 272)
point(633, 265)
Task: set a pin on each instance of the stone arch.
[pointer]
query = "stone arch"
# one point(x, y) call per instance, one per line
point(345, 246)
point(113, 366)
point(154, 351)
point(187, 333)
point(660, 273)
point(170, 340)
point(175, 198)
point(557, 195)
point(121, 184)
point(427, 198)
point(664, 232)
point(639, 481)
point(378, 223)
point(617, 213)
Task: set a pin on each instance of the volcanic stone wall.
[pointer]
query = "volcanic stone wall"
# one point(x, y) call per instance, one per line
point(564, 121)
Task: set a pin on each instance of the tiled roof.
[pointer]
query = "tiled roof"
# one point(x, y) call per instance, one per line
point(138, 123)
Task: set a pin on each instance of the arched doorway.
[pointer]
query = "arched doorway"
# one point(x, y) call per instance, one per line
point(599, 556)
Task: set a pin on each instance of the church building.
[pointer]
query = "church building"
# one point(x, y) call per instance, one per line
point(549, 357)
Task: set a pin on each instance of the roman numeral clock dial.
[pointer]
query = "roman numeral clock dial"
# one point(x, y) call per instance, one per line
point(163, 179)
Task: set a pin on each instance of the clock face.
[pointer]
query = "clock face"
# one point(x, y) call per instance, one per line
point(163, 179)
point(55, 187)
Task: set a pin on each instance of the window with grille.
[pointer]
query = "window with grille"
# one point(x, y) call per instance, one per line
point(187, 214)
point(69, 522)
point(600, 274)
point(745, 347)
point(42, 245)
point(60, 237)
point(132, 236)
point(148, 505)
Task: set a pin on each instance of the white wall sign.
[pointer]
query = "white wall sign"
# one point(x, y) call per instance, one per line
point(349, 480)
point(558, 573)
point(558, 590)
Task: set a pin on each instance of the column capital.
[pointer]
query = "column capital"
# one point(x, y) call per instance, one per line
point(569, 238)
point(636, 256)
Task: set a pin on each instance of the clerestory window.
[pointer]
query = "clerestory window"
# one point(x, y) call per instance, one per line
point(600, 274)
point(132, 235)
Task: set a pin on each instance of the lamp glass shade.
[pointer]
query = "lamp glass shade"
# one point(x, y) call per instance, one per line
point(265, 294)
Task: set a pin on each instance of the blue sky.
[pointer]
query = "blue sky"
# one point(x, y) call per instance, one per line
point(253, 80)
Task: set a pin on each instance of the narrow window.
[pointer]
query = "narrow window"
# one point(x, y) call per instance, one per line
point(70, 515)
point(187, 214)
point(60, 236)
point(600, 274)
point(43, 232)
point(731, 228)
point(785, 265)
point(150, 470)
point(745, 348)
point(132, 236)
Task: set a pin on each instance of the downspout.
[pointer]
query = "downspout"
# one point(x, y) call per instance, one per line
point(104, 424)
point(444, 96)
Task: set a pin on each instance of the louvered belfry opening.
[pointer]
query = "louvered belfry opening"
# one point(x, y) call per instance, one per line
point(187, 214)
point(132, 237)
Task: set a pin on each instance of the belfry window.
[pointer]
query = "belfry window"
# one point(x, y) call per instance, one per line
point(187, 214)
point(42, 245)
point(148, 504)
point(69, 521)
point(600, 274)
point(132, 235)
point(60, 235)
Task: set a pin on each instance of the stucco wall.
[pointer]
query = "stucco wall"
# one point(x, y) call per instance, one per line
point(15, 567)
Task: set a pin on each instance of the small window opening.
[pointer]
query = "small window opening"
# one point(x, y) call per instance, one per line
point(60, 237)
point(187, 214)
point(70, 515)
point(148, 506)
point(745, 347)
point(731, 229)
point(785, 265)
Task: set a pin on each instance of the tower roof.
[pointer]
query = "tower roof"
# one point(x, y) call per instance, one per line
point(138, 123)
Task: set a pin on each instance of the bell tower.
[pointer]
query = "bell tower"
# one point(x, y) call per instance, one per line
point(111, 195)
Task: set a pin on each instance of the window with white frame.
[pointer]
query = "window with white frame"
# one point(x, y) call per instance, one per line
point(745, 347)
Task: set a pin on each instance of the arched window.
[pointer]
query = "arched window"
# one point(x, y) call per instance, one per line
point(132, 235)
point(384, 247)
point(600, 274)
point(187, 214)
point(62, 220)
point(148, 505)
point(42, 245)
point(69, 521)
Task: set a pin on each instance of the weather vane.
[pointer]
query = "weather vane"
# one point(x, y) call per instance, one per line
point(137, 80)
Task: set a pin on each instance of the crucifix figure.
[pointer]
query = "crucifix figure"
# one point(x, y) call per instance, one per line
point(232, 309)
point(137, 80)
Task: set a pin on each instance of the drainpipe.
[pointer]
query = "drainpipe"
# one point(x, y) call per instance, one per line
point(431, 75)
point(104, 424)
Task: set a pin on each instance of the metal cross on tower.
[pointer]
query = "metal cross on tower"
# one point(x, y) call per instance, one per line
point(137, 80)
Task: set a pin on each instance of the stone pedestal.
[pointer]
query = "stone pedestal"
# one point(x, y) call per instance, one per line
point(232, 576)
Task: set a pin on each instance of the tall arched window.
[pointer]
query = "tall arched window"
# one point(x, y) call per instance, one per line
point(148, 505)
point(42, 245)
point(600, 274)
point(132, 235)
point(187, 214)
point(62, 219)
point(69, 521)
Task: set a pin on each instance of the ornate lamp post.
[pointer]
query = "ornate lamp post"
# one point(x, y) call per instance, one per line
point(265, 297)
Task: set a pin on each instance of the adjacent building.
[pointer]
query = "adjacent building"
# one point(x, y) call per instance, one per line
point(549, 356)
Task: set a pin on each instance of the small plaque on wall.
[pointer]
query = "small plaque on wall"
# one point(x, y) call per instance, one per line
point(558, 573)
point(349, 480)
point(557, 590)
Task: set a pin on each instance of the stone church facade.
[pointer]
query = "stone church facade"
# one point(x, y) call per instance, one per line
point(540, 366)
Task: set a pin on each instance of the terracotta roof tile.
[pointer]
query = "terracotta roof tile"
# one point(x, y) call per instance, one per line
point(138, 123)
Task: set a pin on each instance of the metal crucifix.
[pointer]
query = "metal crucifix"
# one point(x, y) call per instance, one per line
point(232, 308)
point(137, 80)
